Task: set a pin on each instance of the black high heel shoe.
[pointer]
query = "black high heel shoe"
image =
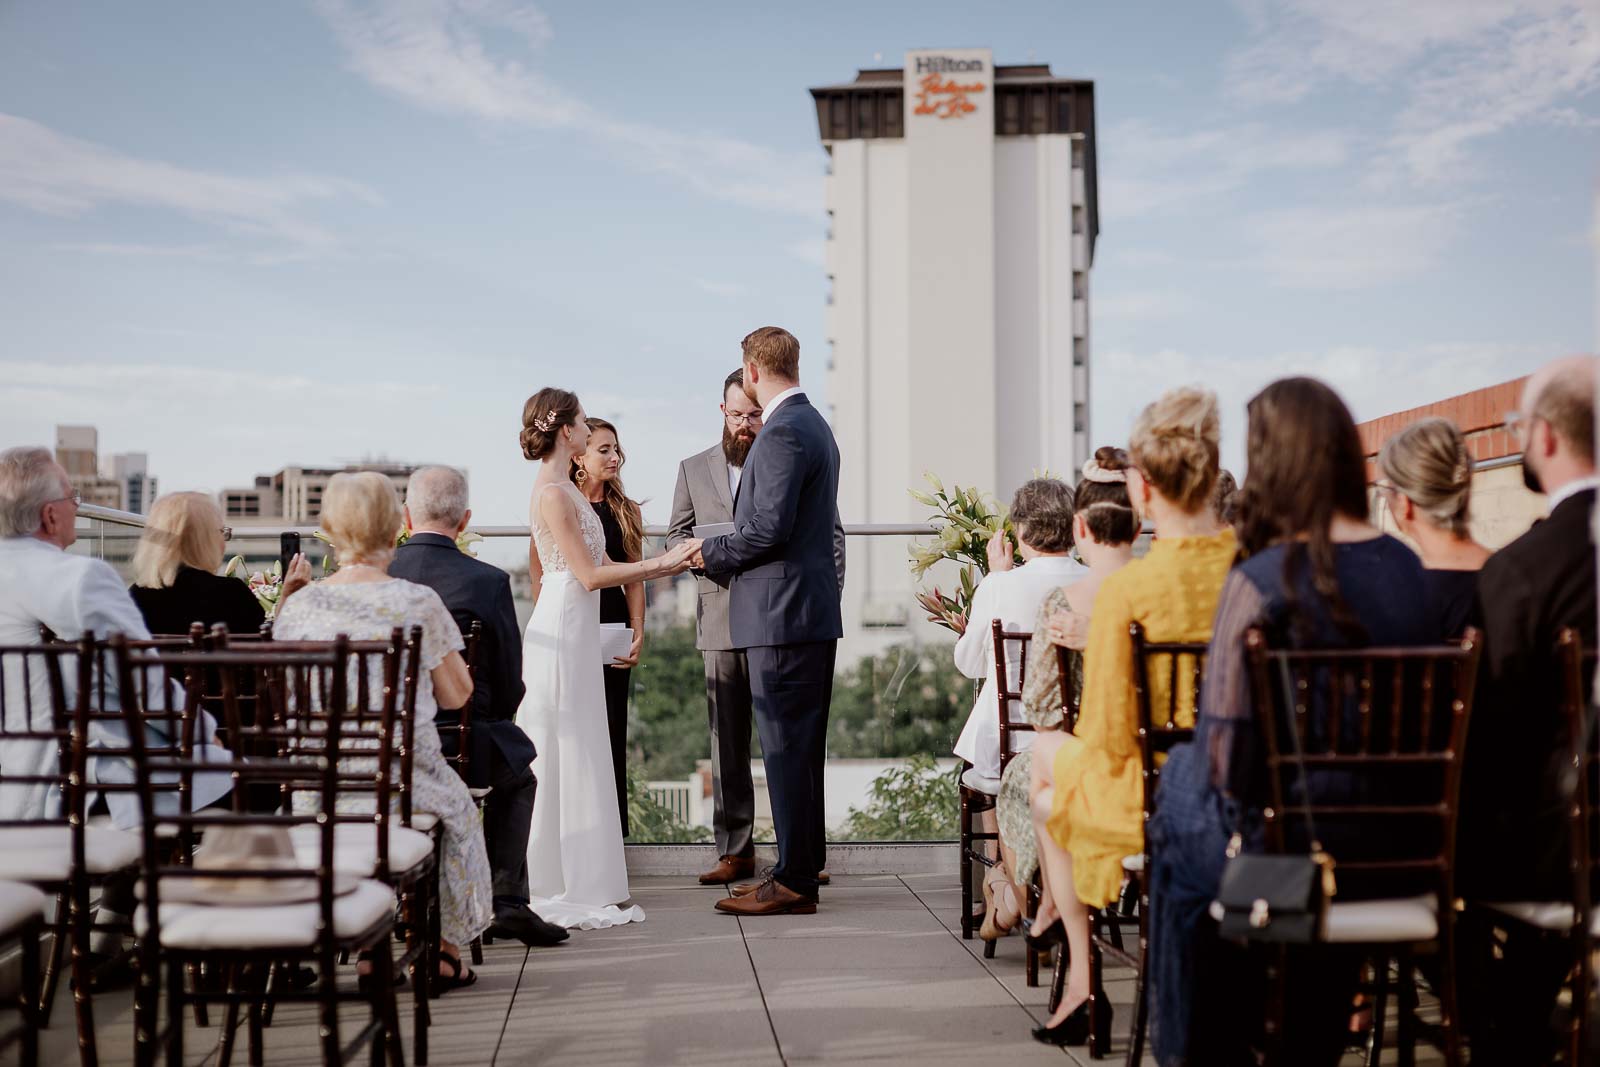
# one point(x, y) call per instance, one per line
point(1074, 1029)
point(1054, 934)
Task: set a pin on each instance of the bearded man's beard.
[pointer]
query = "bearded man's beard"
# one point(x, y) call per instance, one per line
point(736, 446)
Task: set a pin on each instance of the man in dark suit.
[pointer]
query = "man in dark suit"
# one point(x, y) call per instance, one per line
point(1513, 839)
point(707, 482)
point(783, 610)
point(501, 756)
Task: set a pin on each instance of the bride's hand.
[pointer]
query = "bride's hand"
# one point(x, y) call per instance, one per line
point(676, 560)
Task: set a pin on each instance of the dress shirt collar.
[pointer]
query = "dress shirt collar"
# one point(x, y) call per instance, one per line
point(1572, 489)
point(427, 537)
point(28, 541)
point(772, 405)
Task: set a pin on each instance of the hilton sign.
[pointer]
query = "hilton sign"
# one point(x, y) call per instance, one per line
point(943, 96)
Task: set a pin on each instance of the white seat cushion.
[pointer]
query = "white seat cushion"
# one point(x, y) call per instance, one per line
point(1133, 864)
point(1383, 921)
point(980, 783)
point(355, 848)
point(424, 821)
point(18, 904)
point(479, 792)
point(1544, 914)
point(207, 926)
point(44, 853)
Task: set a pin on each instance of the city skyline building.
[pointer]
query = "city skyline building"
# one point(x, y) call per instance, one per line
point(124, 484)
point(293, 495)
point(962, 211)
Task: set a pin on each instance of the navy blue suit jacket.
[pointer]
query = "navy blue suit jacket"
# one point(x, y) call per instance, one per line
point(476, 591)
point(785, 581)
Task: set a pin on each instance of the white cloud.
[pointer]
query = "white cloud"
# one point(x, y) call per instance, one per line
point(1464, 69)
point(1143, 305)
point(437, 55)
point(1147, 169)
point(1351, 248)
point(813, 251)
point(716, 288)
point(51, 172)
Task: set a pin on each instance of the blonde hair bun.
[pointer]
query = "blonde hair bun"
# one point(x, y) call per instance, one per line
point(1176, 443)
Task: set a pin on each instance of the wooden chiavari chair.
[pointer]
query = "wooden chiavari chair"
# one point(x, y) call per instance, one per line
point(237, 918)
point(1380, 734)
point(22, 926)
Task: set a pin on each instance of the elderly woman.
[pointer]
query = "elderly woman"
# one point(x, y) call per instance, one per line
point(1041, 512)
point(1427, 487)
point(175, 580)
point(1088, 786)
point(361, 516)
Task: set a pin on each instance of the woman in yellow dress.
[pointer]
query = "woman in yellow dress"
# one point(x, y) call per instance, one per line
point(1088, 790)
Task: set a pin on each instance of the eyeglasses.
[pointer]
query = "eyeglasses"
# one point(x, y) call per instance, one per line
point(227, 533)
point(1517, 423)
point(74, 496)
point(743, 420)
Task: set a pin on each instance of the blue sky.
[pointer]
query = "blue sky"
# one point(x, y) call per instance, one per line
point(239, 236)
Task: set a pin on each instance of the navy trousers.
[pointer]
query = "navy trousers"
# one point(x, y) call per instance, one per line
point(791, 687)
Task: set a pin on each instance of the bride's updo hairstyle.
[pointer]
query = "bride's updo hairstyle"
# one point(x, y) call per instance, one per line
point(1102, 497)
point(1175, 446)
point(543, 417)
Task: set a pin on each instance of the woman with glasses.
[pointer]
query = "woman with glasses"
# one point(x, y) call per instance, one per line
point(1426, 485)
point(175, 579)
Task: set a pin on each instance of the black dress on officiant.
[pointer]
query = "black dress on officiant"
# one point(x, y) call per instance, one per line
point(614, 608)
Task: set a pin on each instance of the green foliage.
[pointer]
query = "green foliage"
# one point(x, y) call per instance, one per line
point(650, 822)
point(965, 519)
point(912, 802)
point(667, 725)
point(908, 700)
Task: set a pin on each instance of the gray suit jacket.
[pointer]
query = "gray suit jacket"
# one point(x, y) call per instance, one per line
point(702, 497)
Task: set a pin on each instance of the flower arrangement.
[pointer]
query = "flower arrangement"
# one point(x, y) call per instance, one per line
point(265, 586)
point(330, 564)
point(966, 520)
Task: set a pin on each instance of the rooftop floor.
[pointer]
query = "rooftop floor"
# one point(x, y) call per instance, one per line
point(878, 975)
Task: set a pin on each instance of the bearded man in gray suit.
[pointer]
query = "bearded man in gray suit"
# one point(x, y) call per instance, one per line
point(708, 483)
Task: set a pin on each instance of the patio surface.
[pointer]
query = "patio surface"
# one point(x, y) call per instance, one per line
point(878, 975)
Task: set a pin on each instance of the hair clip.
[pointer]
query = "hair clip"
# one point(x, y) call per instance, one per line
point(546, 422)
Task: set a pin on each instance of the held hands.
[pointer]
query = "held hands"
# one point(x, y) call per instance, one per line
point(679, 558)
point(999, 551)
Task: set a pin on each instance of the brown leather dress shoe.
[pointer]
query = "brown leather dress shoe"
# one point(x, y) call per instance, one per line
point(770, 898)
point(744, 889)
point(823, 878)
point(729, 869)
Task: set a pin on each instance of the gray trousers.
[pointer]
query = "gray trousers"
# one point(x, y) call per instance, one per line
point(732, 789)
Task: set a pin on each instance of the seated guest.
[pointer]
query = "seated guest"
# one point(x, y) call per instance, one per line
point(361, 516)
point(501, 756)
point(1225, 497)
point(1314, 573)
point(1427, 486)
point(1103, 528)
point(1041, 513)
point(1514, 830)
point(1088, 792)
point(175, 580)
point(41, 584)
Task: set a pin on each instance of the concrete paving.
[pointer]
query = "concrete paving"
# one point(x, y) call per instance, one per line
point(879, 975)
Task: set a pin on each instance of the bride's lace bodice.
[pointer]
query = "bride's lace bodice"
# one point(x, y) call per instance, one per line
point(594, 535)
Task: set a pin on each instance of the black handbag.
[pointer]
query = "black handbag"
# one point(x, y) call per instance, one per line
point(1276, 898)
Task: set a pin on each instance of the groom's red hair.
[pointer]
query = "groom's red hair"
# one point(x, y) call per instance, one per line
point(775, 351)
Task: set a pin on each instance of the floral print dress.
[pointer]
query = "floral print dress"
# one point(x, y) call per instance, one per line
point(369, 611)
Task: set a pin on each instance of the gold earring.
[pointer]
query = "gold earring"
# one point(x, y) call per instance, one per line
point(580, 475)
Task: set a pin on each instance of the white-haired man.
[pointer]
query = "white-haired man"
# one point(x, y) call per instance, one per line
point(501, 755)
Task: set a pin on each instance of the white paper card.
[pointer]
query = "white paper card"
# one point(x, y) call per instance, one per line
point(615, 640)
point(714, 529)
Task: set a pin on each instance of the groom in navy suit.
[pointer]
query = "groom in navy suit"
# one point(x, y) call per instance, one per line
point(783, 610)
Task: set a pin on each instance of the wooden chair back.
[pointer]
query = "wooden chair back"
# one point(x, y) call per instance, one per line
point(462, 760)
point(1381, 731)
point(1009, 676)
point(1071, 695)
point(42, 693)
point(1163, 673)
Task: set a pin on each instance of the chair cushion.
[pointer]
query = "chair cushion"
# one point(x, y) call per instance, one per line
point(1133, 864)
point(18, 904)
point(44, 853)
point(1383, 921)
point(979, 783)
point(207, 926)
point(424, 821)
point(480, 792)
point(1550, 915)
point(355, 848)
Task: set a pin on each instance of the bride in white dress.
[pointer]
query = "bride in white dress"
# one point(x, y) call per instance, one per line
point(577, 876)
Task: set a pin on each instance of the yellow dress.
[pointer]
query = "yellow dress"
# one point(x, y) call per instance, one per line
point(1098, 814)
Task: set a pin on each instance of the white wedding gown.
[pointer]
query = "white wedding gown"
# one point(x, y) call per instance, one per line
point(577, 875)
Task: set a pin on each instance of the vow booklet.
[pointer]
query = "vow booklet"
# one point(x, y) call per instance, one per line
point(615, 640)
point(713, 529)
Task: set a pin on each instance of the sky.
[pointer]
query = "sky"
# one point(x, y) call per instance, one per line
point(241, 236)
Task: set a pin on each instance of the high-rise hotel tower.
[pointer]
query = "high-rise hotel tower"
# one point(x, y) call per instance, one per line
point(962, 221)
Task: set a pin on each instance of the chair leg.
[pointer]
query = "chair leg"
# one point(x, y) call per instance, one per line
point(1380, 1003)
point(328, 1007)
point(255, 1013)
point(230, 1020)
point(477, 952)
point(1097, 1004)
point(174, 1014)
point(966, 871)
point(1141, 991)
point(1406, 1015)
point(1058, 979)
point(196, 977)
point(82, 921)
point(394, 1043)
point(28, 994)
point(1449, 1008)
point(60, 933)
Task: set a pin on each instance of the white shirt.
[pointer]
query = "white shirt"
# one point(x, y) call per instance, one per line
point(1572, 489)
point(772, 405)
point(734, 474)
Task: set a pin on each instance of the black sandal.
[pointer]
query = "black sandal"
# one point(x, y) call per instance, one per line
point(444, 983)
